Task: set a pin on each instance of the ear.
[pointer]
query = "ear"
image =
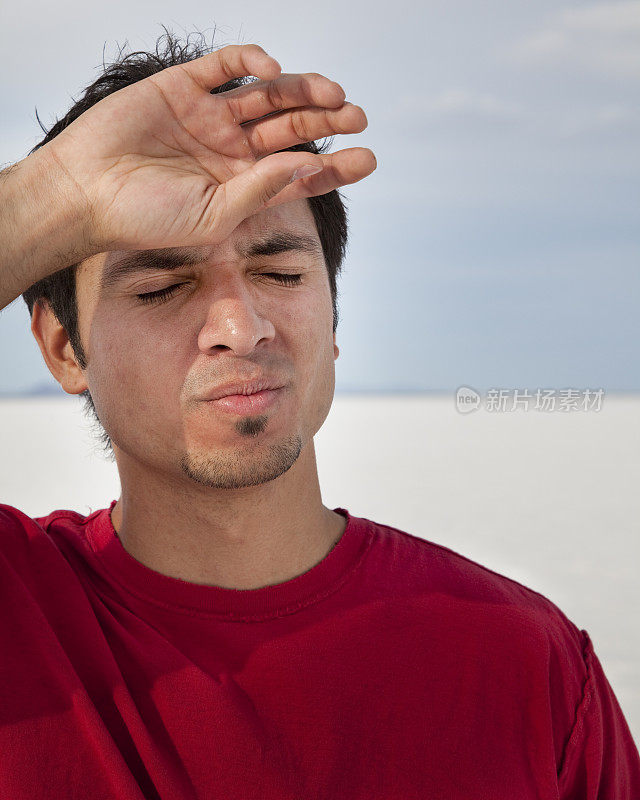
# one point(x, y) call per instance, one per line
point(56, 349)
point(336, 349)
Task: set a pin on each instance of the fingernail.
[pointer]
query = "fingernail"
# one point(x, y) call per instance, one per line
point(305, 171)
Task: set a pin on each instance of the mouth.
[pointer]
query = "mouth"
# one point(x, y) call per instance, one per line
point(254, 403)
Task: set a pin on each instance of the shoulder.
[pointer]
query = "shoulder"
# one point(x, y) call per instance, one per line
point(14, 522)
point(437, 575)
point(25, 539)
point(485, 617)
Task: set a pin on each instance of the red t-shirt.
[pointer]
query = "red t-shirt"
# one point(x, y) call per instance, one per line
point(393, 669)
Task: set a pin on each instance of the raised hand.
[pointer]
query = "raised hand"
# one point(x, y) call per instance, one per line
point(164, 163)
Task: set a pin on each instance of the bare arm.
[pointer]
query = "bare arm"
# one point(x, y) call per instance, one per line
point(42, 224)
point(164, 163)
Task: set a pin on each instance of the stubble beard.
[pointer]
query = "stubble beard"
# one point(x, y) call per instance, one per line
point(239, 470)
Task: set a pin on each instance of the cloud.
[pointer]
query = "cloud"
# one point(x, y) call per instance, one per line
point(611, 117)
point(616, 18)
point(603, 38)
point(453, 102)
point(451, 108)
point(467, 113)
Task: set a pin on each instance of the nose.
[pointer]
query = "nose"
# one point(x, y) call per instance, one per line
point(232, 318)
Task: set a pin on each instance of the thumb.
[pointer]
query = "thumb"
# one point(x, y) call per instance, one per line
point(248, 192)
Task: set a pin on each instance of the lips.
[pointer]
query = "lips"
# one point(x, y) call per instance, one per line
point(255, 403)
point(242, 388)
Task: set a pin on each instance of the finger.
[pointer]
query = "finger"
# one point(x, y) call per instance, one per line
point(339, 169)
point(232, 61)
point(259, 98)
point(289, 128)
point(249, 192)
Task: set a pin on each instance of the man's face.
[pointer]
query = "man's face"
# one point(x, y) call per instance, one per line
point(230, 319)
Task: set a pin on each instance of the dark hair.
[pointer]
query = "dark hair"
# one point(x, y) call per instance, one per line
point(59, 289)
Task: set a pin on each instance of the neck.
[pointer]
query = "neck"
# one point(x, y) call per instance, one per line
point(243, 538)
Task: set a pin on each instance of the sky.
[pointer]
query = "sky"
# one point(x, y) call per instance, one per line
point(496, 245)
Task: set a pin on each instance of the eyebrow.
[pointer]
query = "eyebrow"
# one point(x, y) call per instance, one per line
point(171, 258)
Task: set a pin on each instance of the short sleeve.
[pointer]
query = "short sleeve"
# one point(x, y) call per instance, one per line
point(601, 760)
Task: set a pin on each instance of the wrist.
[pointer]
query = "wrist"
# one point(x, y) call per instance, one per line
point(72, 216)
point(44, 224)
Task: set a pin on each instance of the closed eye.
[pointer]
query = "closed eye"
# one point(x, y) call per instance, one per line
point(284, 277)
point(162, 294)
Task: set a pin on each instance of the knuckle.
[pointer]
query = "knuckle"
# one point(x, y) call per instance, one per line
point(332, 122)
point(267, 192)
point(254, 48)
point(274, 95)
point(300, 126)
point(225, 61)
point(256, 142)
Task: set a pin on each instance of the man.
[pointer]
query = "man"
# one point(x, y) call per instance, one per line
point(217, 632)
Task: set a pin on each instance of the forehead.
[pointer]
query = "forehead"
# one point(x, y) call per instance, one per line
point(284, 228)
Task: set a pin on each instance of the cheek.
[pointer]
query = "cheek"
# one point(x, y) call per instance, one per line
point(310, 331)
point(130, 369)
point(313, 310)
point(313, 344)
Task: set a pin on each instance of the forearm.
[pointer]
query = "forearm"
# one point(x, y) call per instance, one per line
point(43, 226)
